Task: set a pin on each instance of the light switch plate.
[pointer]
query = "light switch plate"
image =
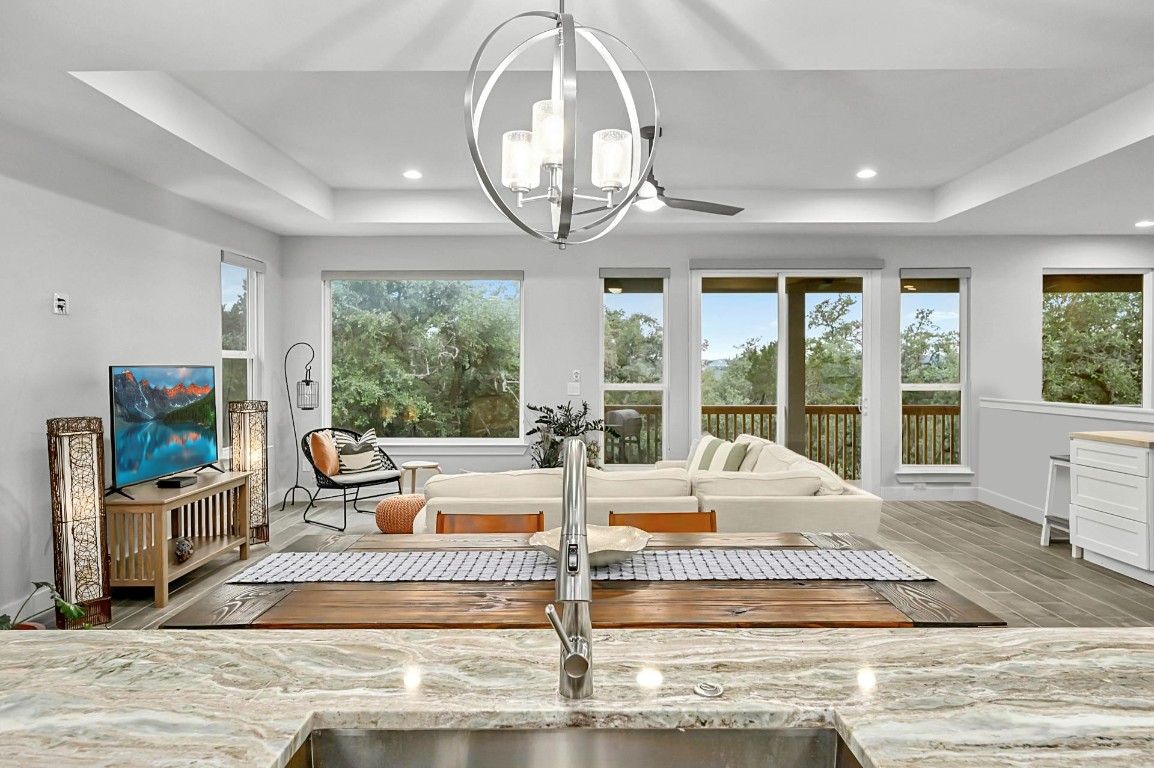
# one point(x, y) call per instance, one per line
point(574, 388)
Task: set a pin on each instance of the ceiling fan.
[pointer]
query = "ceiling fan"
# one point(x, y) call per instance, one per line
point(652, 195)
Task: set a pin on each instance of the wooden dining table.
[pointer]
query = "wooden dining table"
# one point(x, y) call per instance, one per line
point(616, 604)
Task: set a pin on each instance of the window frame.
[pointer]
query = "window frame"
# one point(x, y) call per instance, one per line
point(663, 387)
point(1147, 366)
point(445, 446)
point(962, 386)
point(254, 334)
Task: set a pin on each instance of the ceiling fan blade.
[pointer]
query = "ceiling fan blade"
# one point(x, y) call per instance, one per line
point(701, 205)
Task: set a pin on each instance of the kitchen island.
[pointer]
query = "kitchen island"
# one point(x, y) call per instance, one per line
point(904, 697)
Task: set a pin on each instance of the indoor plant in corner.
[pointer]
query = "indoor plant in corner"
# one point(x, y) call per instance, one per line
point(70, 610)
point(556, 424)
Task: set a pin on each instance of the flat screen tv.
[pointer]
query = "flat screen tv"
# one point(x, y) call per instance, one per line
point(163, 420)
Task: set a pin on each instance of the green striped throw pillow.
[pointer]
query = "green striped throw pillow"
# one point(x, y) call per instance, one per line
point(716, 455)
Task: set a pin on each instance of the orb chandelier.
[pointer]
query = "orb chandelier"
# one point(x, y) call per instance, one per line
point(550, 148)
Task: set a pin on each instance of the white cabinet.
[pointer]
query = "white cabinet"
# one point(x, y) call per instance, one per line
point(1112, 499)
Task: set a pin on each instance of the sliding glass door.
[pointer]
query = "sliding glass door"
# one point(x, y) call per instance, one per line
point(783, 357)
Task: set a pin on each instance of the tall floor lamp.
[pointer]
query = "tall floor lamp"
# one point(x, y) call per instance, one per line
point(308, 399)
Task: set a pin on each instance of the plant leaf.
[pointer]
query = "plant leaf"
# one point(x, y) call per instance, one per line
point(5, 621)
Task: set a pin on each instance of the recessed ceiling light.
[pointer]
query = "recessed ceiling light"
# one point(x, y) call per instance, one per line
point(412, 174)
point(866, 173)
point(910, 287)
point(1144, 224)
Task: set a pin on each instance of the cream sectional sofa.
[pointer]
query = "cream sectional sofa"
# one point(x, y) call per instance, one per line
point(775, 490)
point(539, 490)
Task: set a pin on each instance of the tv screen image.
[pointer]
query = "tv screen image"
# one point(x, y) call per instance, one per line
point(163, 420)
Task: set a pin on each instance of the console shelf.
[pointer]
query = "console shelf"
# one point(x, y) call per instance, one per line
point(142, 531)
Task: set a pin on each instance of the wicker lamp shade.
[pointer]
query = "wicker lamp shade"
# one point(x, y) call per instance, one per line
point(248, 427)
point(79, 524)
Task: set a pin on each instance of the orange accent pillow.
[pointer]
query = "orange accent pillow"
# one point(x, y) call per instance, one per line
point(325, 453)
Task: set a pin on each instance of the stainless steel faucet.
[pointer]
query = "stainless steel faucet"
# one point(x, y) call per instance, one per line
point(574, 585)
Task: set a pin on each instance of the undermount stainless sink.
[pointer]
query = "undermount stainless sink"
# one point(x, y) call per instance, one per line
point(575, 748)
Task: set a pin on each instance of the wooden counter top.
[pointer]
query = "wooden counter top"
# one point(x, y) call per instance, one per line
point(1120, 437)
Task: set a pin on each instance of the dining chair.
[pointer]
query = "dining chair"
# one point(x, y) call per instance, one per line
point(668, 522)
point(465, 523)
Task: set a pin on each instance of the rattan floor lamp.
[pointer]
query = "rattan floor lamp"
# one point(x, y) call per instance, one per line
point(308, 399)
point(79, 524)
point(248, 428)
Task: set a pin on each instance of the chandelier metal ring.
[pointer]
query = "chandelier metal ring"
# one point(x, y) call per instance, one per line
point(562, 194)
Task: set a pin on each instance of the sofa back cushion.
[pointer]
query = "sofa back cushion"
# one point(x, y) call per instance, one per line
point(803, 482)
point(521, 483)
point(753, 448)
point(777, 458)
point(716, 455)
point(631, 484)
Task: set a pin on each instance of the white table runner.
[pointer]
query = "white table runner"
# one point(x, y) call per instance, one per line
point(522, 565)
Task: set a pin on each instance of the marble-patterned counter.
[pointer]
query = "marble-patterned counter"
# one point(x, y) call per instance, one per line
point(907, 697)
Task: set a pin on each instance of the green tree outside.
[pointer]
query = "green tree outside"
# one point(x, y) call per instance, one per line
point(427, 358)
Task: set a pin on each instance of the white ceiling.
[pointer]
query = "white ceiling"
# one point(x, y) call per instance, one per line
point(1021, 116)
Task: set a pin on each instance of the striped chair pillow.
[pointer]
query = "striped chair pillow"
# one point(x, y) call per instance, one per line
point(358, 455)
point(716, 455)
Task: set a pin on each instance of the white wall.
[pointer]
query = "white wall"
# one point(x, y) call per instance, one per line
point(1016, 445)
point(141, 267)
point(562, 304)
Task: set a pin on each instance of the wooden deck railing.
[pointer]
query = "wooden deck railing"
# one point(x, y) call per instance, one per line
point(930, 433)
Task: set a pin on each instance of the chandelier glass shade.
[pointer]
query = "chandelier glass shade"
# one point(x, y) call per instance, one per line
point(547, 153)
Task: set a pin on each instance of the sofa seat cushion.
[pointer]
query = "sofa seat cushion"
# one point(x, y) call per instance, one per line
point(516, 484)
point(802, 482)
point(632, 484)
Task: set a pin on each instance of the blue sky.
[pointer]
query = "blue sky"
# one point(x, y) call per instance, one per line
point(231, 283)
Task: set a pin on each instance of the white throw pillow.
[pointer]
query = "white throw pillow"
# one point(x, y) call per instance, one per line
point(803, 482)
point(774, 458)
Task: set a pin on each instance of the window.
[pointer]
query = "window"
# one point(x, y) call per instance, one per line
point(739, 356)
point(427, 357)
point(633, 380)
point(239, 330)
point(1092, 339)
point(932, 368)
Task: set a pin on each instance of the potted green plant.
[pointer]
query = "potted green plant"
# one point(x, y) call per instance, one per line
point(553, 425)
point(70, 610)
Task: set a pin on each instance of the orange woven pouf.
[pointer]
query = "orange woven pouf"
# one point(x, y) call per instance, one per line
point(395, 514)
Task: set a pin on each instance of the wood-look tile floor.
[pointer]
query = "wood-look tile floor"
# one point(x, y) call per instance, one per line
point(987, 555)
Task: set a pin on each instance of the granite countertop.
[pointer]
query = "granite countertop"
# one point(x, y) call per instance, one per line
point(906, 697)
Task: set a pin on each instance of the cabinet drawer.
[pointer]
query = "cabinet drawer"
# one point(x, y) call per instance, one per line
point(1110, 535)
point(1118, 458)
point(1113, 492)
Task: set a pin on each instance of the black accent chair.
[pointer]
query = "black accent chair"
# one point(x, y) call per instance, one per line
point(354, 482)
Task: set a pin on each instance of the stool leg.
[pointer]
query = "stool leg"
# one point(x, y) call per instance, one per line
point(1046, 506)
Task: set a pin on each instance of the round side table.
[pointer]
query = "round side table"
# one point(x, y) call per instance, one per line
point(411, 468)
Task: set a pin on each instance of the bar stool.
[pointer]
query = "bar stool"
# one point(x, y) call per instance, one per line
point(1049, 520)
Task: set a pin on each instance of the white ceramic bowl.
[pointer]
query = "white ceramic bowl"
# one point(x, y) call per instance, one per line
point(607, 544)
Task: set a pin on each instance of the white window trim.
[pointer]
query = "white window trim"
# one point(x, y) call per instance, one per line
point(447, 446)
point(663, 387)
point(255, 333)
point(1147, 329)
point(961, 470)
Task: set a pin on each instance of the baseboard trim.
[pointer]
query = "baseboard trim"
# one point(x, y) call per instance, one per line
point(930, 493)
point(1013, 506)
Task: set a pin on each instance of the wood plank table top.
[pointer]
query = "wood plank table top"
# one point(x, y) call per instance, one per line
point(618, 604)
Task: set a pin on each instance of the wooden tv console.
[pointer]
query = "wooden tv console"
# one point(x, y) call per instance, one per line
point(142, 531)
